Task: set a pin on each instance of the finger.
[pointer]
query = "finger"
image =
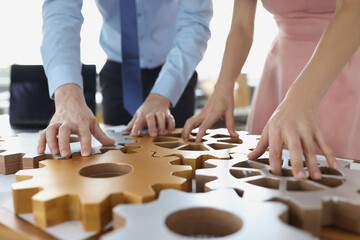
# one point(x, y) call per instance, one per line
point(310, 157)
point(138, 125)
point(202, 130)
point(160, 119)
point(230, 125)
point(85, 140)
point(151, 123)
point(42, 142)
point(99, 134)
point(170, 122)
point(275, 152)
point(208, 123)
point(64, 140)
point(190, 124)
point(261, 146)
point(51, 137)
point(130, 125)
point(325, 149)
point(296, 154)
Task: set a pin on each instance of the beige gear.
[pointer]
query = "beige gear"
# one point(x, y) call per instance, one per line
point(20, 152)
point(219, 214)
point(334, 200)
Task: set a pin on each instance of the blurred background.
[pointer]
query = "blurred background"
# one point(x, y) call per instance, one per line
point(20, 40)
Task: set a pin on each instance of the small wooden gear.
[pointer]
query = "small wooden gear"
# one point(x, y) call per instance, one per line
point(86, 188)
point(217, 143)
point(20, 152)
point(219, 214)
point(334, 200)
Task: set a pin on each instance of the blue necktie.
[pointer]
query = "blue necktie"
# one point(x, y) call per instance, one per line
point(131, 74)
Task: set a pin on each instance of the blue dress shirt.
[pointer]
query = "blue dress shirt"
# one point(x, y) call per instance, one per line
point(171, 32)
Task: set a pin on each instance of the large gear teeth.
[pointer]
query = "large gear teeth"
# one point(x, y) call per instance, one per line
point(219, 214)
point(215, 144)
point(86, 188)
point(333, 200)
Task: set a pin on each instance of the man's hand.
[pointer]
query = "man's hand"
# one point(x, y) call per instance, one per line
point(219, 105)
point(72, 116)
point(154, 113)
point(295, 125)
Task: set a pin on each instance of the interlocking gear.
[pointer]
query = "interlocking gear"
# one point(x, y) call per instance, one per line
point(212, 215)
point(217, 143)
point(333, 200)
point(86, 188)
point(20, 152)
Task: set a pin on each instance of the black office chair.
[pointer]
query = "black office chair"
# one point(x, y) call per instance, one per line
point(30, 104)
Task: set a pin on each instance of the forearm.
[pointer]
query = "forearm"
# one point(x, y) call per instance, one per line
point(238, 43)
point(60, 48)
point(339, 42)
point(237, 48)
point(192, 27)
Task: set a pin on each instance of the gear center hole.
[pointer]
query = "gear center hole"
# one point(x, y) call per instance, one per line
point(203, 222)
point(105, 170)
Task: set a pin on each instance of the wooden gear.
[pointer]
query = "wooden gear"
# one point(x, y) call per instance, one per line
point(332, 201)
point(215, 144)
point(219, 214)
point(20, 152)
point(86, 188)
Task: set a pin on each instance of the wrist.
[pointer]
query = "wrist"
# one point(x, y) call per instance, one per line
point(68, 95)
point(159, 98)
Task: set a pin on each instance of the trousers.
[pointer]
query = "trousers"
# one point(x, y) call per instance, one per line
point(114, 112)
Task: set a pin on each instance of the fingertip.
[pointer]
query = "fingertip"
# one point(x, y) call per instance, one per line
point(335, 164)
point(300, 174)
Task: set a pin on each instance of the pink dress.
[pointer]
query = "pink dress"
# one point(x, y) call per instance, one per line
point(300, 26)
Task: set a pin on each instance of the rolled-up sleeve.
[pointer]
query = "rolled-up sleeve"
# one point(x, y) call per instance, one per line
point(60, 48)
point(190, 43)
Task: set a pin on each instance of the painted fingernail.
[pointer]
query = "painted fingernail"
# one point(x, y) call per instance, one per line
point(64, 153)
point(301, 174)
point(317, 175)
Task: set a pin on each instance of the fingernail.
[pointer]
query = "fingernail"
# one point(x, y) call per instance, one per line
point(317, 175)
point(64, 153)
point(301, 174)
point(85, 153)
point(335, 165)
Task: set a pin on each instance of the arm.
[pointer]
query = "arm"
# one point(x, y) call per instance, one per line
point(60, 50)
point(294, 123)
point(193, 32)
point(221, 103)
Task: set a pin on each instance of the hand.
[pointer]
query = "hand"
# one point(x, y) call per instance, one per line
point(219, 105)
point(72, 116)
point(295, 125)
point(154, 111)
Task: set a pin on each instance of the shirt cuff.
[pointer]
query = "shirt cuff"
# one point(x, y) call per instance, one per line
point(64, 74)
point(168, 86)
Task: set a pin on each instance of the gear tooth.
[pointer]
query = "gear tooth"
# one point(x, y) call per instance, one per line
point(227, 216)
point(22, 193)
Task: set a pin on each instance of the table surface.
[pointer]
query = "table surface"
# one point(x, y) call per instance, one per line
point(14, 227)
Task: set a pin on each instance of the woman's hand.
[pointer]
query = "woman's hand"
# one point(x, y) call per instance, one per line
point(294, 124)
point(219, 105)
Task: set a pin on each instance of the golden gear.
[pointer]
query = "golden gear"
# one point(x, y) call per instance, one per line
point(215, 144)
point(86, 188)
